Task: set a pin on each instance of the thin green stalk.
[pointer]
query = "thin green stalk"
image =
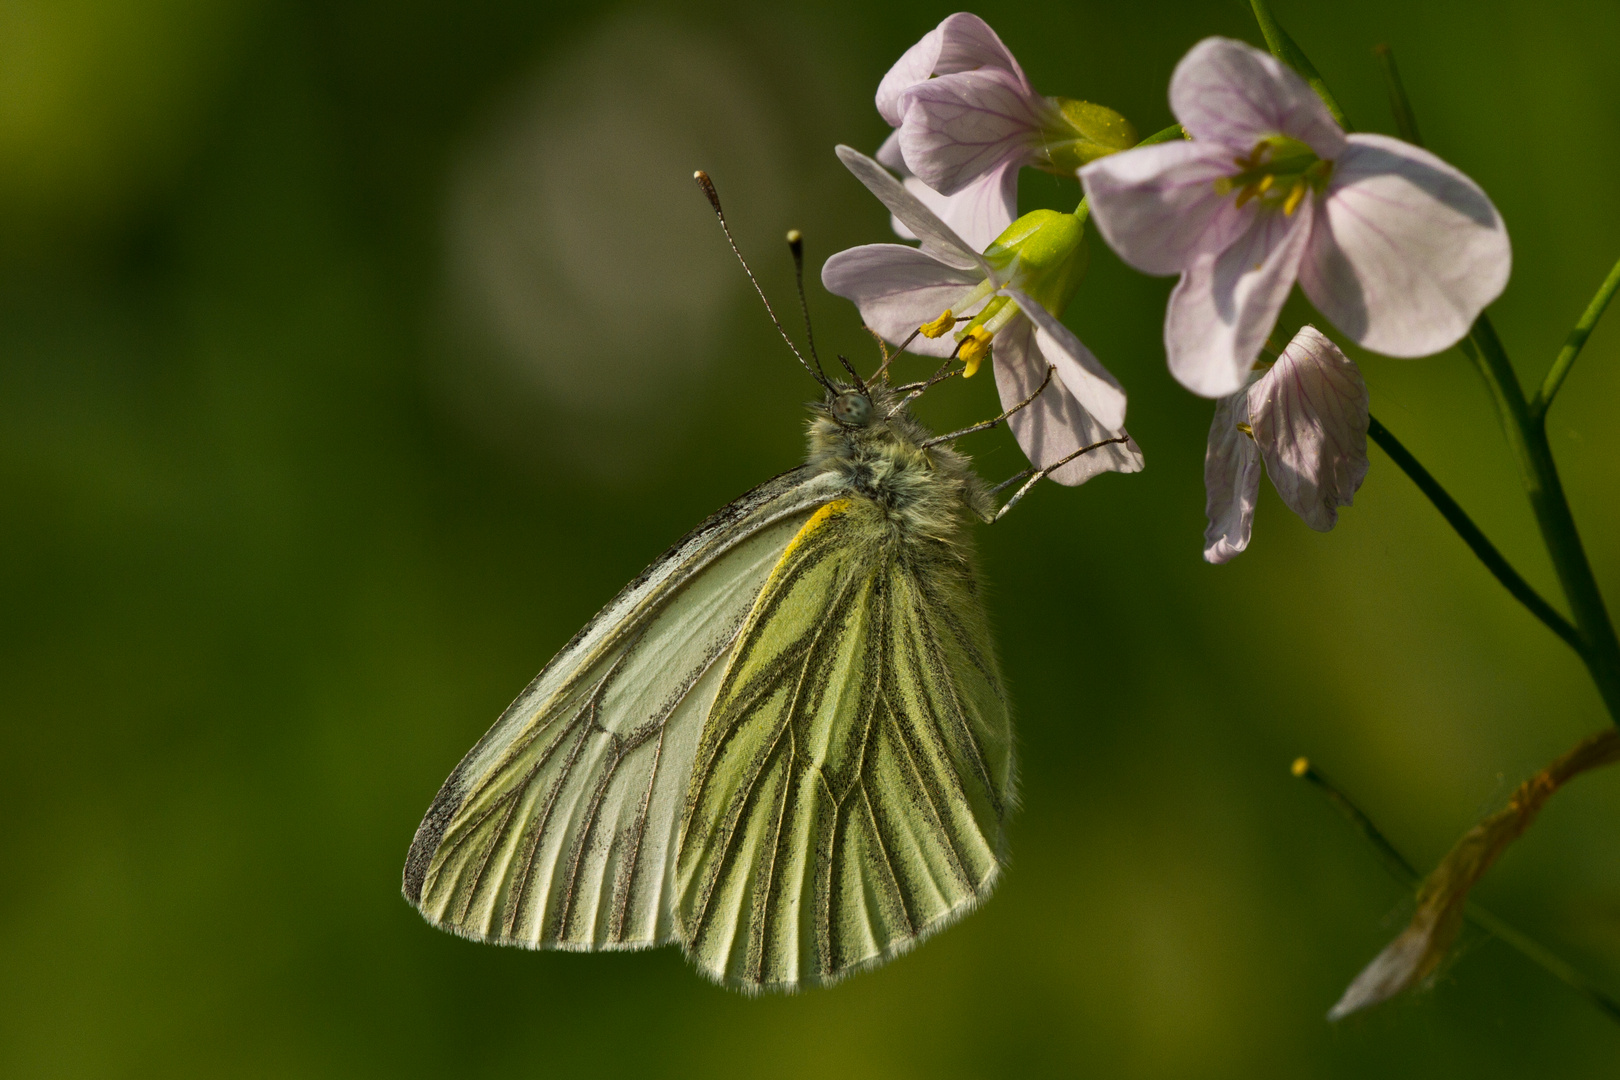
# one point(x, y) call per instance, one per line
point(1471, 534)
point(1539, 475)
point(1403, 871)
point(1405, 122)
point(1526, 433)
point(1283, 48)
point(1572, 346)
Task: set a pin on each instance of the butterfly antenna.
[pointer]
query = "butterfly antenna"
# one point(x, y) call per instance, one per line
point(849, 367)
point(714, 200)
point(795, 240)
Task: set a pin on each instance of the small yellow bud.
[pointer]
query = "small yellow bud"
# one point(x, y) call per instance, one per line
point(1301, 766)
point(939, 327)
point(975, 350)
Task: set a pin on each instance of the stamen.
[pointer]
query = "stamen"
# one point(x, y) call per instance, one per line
point(1266, 182)
point(1246, 429)
point(940, 326)
point(1295, 197)
point(974, 350)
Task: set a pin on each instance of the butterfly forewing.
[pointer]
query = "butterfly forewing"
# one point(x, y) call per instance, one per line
point(559, 828)
point(848, 793)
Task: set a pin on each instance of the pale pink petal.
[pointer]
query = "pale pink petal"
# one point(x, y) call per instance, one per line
point(1309, 414)
point(1093, 385)
point(1225, 305)
point(978, 213)
point(1231, 93)
point(959, 127)
point(962, 42)
point(938, 238)
point(1157, 205)
point(1406, 250)
point(897, 289)
point(888, 155)
point(914, 65)
point(1054, 425)
point(1231, 480)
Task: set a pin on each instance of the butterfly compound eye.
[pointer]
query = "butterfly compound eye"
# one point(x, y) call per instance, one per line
point(852, 410)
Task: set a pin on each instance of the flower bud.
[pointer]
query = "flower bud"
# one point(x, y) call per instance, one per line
point(1080, 132)
point(1044, 255)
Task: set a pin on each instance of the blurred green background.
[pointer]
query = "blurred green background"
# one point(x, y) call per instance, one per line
point(352, 354)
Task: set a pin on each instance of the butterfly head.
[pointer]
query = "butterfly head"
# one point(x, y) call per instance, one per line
point(851, 408)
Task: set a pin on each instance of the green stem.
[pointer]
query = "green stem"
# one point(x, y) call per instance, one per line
point(1525, 427)
point(1283, 48)
point(1471, 534)
point(1405, 121)
point(1404, 872)
point(1527, 438)
point(1572, 346)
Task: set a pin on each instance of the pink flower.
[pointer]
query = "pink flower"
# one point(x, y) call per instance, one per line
point(1306, 418)
point(967, 120)
point(1396, 248)
point(979, 211)
point(899, 289)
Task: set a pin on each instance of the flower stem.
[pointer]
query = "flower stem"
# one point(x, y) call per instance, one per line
point(1405, 873)
point(1283, 48)
point(1527, 438)
point(1476, 540)
point(1405, 121)
point(1572, 346)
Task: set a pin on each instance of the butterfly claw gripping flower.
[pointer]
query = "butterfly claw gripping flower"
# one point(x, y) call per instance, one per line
point(996, 305)
point(967, 119)
point(1306, 418)
point(1396, 248)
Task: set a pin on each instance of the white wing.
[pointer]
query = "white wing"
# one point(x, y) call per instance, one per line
point(558, 830)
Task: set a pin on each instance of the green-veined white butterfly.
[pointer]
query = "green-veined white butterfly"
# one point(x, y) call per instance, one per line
point(785, 746)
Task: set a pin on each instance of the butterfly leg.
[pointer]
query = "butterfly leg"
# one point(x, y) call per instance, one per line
point(988, 424)
point(1037, 475)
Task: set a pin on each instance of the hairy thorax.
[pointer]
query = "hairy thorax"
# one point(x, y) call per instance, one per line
point(923, 491)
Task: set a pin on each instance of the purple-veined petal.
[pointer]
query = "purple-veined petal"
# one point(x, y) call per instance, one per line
point(1225, 305)
point(959, 127)
point(1231, 93)
point(1157, 205)
point(1309, 414)
point(897, 289)
point(978, 213)
point(1406, 250)
point(1054, 425)
point(1093, 385)
point(937, 238)
point(1231, 480)
point(962, 42)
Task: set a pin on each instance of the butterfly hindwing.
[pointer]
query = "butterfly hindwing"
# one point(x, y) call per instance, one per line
point(559, 828)
point(849, 790)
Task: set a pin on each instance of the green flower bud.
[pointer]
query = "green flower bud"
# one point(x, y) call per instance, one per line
point(1081, 132)
point(1044, 254)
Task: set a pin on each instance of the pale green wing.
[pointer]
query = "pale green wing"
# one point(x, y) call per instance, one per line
point(558, 829)
point(849, 791)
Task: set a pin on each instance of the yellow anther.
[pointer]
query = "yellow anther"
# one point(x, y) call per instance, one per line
point(1265, 183)
point(974, 350)
point(1295, 197)
point(939, 327)
point(1300, 767)
point(1246, 429)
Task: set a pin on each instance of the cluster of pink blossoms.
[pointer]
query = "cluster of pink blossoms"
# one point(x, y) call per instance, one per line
point(1399, 251)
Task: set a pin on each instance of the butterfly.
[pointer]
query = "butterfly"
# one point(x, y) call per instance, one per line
point(785, 746)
